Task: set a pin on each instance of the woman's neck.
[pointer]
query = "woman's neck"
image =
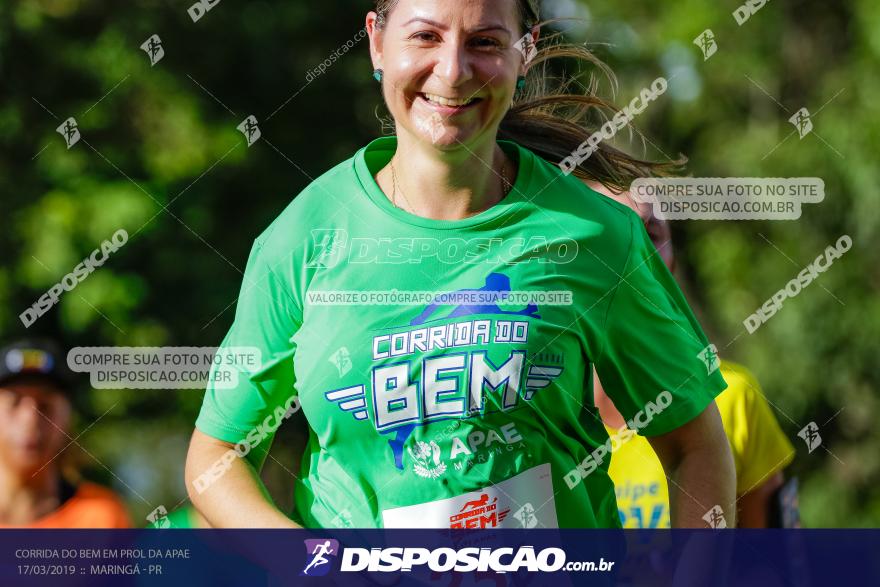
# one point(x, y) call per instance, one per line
point(452, 186)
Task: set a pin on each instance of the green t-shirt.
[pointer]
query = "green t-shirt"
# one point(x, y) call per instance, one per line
point(465, 410)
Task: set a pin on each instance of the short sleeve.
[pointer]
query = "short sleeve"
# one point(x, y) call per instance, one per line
point(266, 319)
point(654, 360)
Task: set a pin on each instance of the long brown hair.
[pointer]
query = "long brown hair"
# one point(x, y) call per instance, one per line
point(553, 121)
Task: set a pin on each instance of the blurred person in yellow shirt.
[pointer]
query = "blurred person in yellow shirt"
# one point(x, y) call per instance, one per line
point(760, 449)
point(35, 414)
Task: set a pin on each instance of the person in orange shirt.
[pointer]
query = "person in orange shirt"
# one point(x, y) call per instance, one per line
point(35, 414)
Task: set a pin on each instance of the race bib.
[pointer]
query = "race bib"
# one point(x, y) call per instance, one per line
point(523, 501)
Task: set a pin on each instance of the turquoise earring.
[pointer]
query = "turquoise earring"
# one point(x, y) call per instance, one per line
point(520, 86)
point(377, 75)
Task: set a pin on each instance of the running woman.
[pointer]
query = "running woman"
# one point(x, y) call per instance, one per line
point(760, 449)
point(463, 408)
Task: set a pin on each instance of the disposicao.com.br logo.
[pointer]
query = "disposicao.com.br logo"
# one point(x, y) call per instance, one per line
point(444, 559)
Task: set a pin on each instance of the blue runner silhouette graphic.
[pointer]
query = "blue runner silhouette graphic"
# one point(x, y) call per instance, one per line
point(495, 282)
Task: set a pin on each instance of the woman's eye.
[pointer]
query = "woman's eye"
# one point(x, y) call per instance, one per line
point(487, 42)
point(424, 36)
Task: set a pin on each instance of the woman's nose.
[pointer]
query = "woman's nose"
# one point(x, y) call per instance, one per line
point(453, 64)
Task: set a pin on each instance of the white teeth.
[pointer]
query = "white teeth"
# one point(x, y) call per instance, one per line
point(446, 101)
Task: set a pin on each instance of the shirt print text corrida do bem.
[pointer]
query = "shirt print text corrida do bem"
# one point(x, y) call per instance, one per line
point(458, 406)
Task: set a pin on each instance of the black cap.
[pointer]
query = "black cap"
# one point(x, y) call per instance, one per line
point(34, 357)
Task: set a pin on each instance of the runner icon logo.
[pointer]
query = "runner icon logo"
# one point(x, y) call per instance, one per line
point(70, 131)
point(526, 516)
point(707, 44)
point(342, 360)
point(153, 48)
point(250, 130)
point(709, 356)
point(318, 551)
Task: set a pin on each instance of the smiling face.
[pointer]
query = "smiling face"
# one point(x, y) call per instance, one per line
point(449, 67)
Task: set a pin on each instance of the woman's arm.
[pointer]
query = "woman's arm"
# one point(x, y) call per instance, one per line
point(697, 460)
point(234, 498)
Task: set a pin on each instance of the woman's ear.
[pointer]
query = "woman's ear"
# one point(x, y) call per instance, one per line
point(375, 34)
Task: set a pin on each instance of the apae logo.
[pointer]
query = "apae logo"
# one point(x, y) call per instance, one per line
point(426, 460)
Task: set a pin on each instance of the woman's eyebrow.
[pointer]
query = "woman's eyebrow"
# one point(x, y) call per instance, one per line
point(491, 27)
point(478, 29)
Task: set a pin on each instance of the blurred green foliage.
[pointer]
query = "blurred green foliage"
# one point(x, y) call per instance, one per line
point(160, 156)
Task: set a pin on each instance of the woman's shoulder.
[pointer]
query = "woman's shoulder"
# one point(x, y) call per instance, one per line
point(590, 210)
point(568, 193)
